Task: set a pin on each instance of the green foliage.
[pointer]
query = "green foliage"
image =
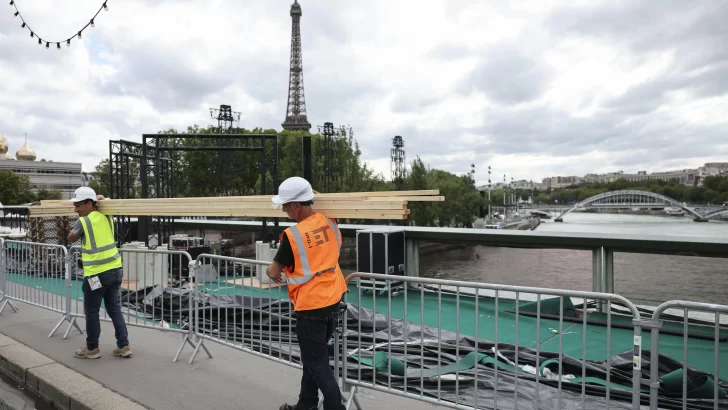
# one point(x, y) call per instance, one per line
point(233, 172)
point(462, 201)
point(713, 191)
point(15, 189)
point(43, 195)
point(100, 184)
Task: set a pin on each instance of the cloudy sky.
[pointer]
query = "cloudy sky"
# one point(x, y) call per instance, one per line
point(531, 88)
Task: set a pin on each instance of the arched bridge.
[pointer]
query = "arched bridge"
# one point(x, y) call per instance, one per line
point(630, 199)
point(716, 213)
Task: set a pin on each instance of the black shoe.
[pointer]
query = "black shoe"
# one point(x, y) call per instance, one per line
point(289, 407)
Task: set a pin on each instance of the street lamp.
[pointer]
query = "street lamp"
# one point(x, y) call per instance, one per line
point(505, 209)
point(490, 216)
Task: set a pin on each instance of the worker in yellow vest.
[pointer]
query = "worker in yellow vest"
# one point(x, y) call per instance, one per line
point(102, 274)
point(309, 255)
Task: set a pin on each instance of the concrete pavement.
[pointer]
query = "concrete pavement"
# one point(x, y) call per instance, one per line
point(232, 379)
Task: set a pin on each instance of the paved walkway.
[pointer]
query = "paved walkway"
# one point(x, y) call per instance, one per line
point(232, 379)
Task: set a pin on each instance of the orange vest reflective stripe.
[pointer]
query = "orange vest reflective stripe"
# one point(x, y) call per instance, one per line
point(316, 280)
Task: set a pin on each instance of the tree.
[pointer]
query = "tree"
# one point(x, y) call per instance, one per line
point(542, 199)
point(101, 182)
point(43, 195)
point(15, 189)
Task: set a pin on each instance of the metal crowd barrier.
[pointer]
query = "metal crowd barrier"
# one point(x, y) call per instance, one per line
point(40, 276)
point(668, 381)
point(153, 294)
point(451, 367)
point(239, 310)
point(477, 350)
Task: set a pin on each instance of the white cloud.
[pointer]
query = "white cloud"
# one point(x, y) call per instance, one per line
point(531, 88)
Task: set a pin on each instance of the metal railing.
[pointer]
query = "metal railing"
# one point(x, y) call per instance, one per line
point(411, 364)
point(153, 293)
point(457, 344)
point(241, 311)
point(693, 384)
point(40, 276)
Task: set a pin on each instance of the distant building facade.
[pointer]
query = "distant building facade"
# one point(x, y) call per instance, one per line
point(51, 176)
point(689, 177)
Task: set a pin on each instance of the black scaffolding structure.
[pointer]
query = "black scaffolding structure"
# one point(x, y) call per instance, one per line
point(125, 159)
point(156, 159)
point(328, 150)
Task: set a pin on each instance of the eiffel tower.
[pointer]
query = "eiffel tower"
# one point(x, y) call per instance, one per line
point(296, 118)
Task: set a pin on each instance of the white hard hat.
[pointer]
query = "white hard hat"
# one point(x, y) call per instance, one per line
point(294, 189)
point(83, 194)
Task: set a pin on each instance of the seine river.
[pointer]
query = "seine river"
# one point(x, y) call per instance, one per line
point(647, 277)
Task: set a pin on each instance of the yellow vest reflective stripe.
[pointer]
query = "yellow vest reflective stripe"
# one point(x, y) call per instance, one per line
point(98, 252)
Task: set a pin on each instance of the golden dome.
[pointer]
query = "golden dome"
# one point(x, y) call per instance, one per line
point(3, 144)
point(25, 153)
point(7, 156)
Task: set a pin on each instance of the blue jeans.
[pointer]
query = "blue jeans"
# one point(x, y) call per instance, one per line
point(109, 294)
point(313, 335)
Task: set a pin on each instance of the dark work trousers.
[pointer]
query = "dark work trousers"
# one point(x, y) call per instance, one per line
point(313, 335)
point(109, 294)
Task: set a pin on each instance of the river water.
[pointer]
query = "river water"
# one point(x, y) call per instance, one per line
point(647, 277)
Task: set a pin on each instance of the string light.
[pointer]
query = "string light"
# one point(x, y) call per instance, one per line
point(58, 43)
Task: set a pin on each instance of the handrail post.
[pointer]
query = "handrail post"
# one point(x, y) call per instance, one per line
point(656, 324)
point(5, 300)
point(608, 273)
point(597, 269)
point(198, 341)
point(412, 257)
point(68, 316)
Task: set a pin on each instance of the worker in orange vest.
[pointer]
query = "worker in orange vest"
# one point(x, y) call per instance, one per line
point(309, 255)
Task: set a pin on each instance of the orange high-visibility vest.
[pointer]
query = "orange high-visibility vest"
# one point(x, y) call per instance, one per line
point(316, 280)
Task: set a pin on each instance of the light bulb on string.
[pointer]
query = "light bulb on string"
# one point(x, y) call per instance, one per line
point(24, 25)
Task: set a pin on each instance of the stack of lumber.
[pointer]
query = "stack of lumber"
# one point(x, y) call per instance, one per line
point(357, 205)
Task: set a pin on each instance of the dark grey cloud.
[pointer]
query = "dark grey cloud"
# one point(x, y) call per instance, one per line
point(696, 31)
point(165, 78)
point(643, 125)
point(449, 51)
point(508, 76)
point(648, 96)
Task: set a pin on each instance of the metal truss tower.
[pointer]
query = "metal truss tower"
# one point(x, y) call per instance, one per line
point(398, 164)
point(296, 118)
point(225, 117)
point(328, 152)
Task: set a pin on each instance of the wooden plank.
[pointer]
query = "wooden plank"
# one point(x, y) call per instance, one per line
point(387, 193)
point(352, 214)
point(411, 198)
point(359, 205)
point(132, 285)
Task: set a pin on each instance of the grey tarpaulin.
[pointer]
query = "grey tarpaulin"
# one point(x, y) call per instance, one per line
point(268, 326)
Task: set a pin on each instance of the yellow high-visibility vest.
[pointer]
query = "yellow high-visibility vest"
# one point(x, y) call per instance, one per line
point(98, 252)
